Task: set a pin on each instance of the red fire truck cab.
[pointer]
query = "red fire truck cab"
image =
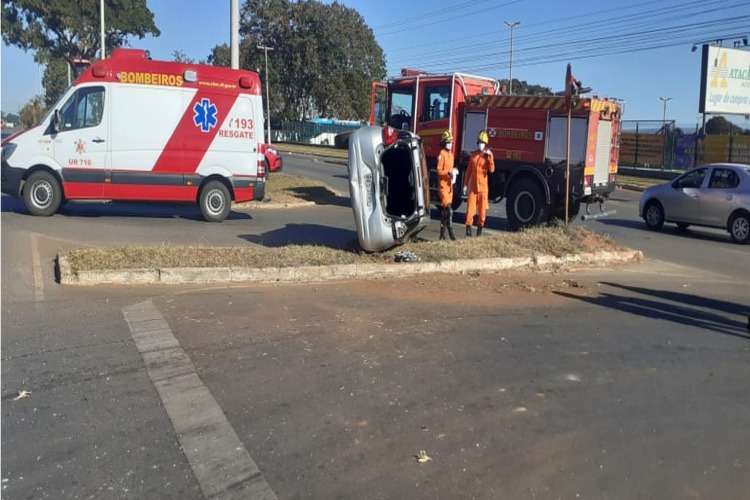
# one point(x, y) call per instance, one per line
point(527, 137)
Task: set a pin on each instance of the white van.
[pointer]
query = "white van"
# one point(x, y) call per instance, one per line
point(135, 129)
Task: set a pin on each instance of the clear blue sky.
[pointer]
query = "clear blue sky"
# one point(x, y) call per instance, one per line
point(470, 35)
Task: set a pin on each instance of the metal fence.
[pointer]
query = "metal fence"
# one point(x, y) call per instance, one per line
point(308, 132)
point(657, 144)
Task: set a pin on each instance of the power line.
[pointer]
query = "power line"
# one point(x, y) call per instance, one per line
point(430, 13)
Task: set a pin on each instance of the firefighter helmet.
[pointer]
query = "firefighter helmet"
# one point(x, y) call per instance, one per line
point(446, 136)
point(483, 137)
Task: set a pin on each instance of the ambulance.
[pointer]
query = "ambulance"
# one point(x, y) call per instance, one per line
point(131, 128)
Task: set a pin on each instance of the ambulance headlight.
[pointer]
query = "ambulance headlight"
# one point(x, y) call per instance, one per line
point(7, 151)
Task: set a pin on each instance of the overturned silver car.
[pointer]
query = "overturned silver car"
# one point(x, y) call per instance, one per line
point(389, 186)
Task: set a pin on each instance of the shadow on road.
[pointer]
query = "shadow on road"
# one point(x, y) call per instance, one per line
point(157, 210)
point(682, 308)
point(668, 229)
point(305, 234)
point(320, 195)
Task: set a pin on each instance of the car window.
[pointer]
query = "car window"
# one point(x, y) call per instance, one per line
point(724, 178)
point(84, 108)
point(692, 179)
point(436, 103)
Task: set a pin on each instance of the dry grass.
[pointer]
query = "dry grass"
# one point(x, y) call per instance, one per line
point(283, 189)
point(642, 182)
point(549, 241)
point(307, 149)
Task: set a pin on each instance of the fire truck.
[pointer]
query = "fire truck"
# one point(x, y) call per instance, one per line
point(528, 136)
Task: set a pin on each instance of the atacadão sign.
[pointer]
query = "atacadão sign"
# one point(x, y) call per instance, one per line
point(725, 81)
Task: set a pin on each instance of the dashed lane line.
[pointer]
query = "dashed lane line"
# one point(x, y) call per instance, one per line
point(220, 462)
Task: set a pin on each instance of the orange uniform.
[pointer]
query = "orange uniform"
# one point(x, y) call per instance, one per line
point(445, 179)
point(481, 164)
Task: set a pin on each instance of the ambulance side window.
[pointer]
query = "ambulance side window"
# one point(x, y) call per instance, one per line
point(83, 109)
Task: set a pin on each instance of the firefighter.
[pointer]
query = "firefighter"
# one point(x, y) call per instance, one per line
point(481, 164)
point(446, 177)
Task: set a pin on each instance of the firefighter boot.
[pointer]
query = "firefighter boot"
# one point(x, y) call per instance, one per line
point(443, 223)
point(468, 232)
point(451, 234)
point(479, 231)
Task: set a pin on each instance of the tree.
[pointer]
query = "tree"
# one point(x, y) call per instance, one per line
point(54, 80)
point(32, 112)
point(69, 29)
point(718, 125)
point(522, 87)
point(323, 61)
point(180, 57)
point(11, 117)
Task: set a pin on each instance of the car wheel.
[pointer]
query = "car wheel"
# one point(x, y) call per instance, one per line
point(739, 228)
point(653, 214)
point(42, 193)
point(526, 205)
point(682, 227)
point(215, 202)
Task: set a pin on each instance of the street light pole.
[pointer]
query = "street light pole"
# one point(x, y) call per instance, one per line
point(101, 22)
point(265, 50)
point(234, 33)
point(664, 100)
point(511, 25)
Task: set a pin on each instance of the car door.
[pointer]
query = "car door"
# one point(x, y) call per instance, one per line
point(80, 143)
point(720, 196)
point(683, 202)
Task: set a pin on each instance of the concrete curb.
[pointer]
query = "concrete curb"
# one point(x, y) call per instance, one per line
point(314, 274)
point(632, 187)
point(271, 205)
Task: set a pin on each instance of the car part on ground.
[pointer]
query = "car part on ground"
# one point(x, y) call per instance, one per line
point(388, 185)
point(713, 195)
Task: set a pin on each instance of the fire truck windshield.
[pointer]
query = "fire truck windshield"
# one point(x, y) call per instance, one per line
point(401, 107)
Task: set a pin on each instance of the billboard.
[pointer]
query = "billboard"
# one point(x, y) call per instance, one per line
point(725, 81)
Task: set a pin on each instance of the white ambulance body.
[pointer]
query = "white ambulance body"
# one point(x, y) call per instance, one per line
point(135, 129)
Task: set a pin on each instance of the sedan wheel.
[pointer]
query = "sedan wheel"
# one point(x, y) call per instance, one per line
point(654, 215)
point(739, 228)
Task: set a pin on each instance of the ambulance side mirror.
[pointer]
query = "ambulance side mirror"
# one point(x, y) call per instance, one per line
point(55, 122)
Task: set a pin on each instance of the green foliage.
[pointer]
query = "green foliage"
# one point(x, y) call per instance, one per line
point(32, 112)
point(718, 125)
point(69, 29)
point(522, 87)
point(54, 80)
point(180, 57)
point(11, 117)
point(323, 61)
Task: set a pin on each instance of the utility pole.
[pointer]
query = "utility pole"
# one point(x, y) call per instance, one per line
point(265, 50)
point(101, 19)
point(511, 25)
point(664, 101)
point(234, 33)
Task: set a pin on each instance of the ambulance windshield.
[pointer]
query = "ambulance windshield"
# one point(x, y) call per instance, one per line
point(401, 106)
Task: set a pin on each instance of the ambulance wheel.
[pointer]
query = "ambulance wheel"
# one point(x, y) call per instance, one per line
point(526, 205)
point(42, 193)
point(215, 201)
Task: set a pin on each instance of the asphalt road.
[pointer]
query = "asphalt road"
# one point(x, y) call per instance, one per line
point(609, 383)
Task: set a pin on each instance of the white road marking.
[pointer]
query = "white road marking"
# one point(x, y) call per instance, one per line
point(220, 462)
point(36, 268)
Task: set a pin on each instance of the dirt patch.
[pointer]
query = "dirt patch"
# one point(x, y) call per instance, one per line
point(540, 241)
point(292, 190)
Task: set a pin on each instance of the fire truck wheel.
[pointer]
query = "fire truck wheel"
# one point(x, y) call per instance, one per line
point(215, 201)
point(525, 205)
point(653, 214)
point(42, 193)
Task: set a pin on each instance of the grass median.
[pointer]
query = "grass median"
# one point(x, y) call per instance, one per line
point(556, 241)
point(308, 149)
point(287, 189)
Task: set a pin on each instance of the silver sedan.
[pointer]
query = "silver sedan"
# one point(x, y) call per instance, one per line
point(714, 195)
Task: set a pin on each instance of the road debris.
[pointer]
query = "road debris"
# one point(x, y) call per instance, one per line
point(423, 457)
point(520, 409)
point(22, 394)
point(406, 256)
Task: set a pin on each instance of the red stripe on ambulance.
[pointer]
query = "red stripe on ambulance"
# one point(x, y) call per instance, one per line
point(188, 144)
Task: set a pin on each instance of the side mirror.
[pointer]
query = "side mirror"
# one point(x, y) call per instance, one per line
point(55, 122)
